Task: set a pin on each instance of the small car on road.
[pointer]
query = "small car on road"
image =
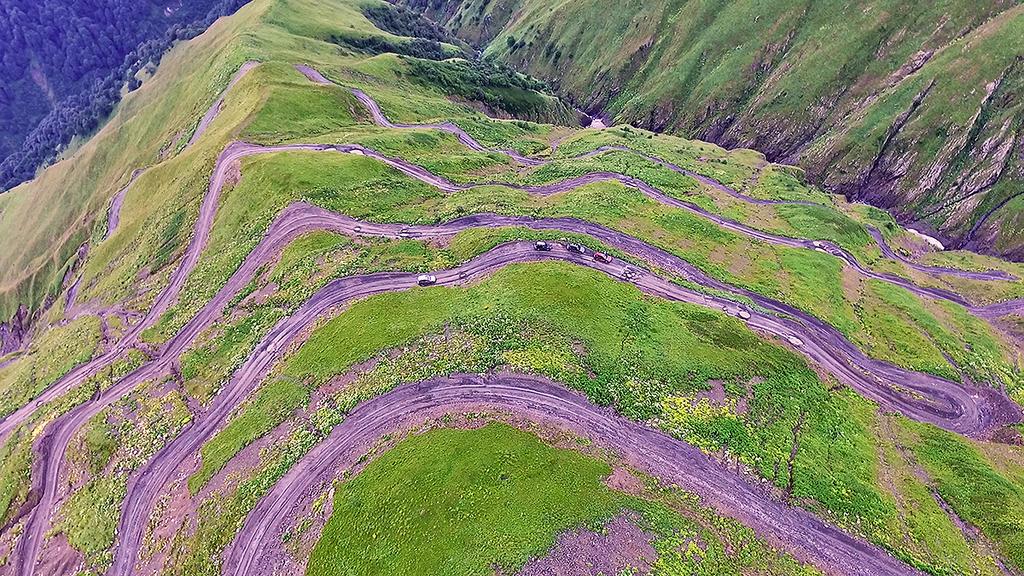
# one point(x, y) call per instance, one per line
point(602, 257)
point(578, 248)
point(542, 246)
point(426, 279)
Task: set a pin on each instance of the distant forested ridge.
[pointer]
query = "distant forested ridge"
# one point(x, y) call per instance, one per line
point(63, 64)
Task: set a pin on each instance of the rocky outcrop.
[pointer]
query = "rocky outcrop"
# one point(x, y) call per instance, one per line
point(14, 331)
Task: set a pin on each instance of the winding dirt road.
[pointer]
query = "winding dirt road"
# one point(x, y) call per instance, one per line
point(236, 151)
point(969, 411)
point(933, 400)
point(228, 158)
point(450, 127)
point(214, 109)
point(381, 120)
point(889, 253)
point(807, 537)
point(653, 193)
point(114, 212)
point(168, 295)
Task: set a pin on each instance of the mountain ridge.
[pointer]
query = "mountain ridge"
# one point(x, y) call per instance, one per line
point(913, 109)
point(303, 229)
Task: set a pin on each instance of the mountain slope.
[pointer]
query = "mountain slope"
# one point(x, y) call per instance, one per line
point(231, 328)
point(64, 64)
point(916, 108)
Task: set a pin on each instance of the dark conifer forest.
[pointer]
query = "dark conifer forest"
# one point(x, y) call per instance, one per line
point(64, 63)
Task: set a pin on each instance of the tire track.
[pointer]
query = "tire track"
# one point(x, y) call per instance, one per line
point(949, 405)
point(944, 403)
point(797, 531)
point(381, 120)
point(921, 397)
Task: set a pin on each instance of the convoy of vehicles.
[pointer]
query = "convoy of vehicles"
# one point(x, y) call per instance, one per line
point(540, 246)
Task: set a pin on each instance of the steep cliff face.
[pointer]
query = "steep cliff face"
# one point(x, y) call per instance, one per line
point(13, 331)
point(914, 107)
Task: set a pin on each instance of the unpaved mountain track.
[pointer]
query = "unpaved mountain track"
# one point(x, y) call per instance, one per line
point(930, 399)
point(450, 127)
point(657, 195)
point(971, 411)
point(166, 297)
point(791, 529)
point(114, 212)
point(238, 150)
point(214, 109)
point(381, 120)
point(948, 404)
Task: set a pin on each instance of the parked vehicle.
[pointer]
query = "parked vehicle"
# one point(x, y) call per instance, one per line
point(426, 279)
point(602, 257)
point(630, 273)
point(542, 246)
point(578, 248)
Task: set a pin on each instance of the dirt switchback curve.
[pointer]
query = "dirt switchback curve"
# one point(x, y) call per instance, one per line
point(797, 531)
point(167, 296)
point(657, 195)
point(450, 127)
point(170, 293)
point(114, 212)
point(381, 120)
point(237, 150)
point(948, 404)
point(214, 109)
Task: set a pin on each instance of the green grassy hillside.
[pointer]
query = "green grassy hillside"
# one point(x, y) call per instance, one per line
point(752, 402)
point(503, 502)
point(912, 107)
